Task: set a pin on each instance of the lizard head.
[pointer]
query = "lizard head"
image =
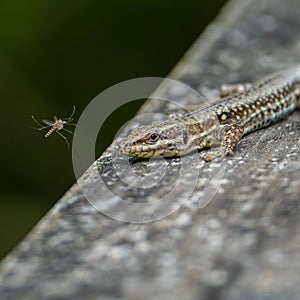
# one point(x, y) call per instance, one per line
point(167, 139)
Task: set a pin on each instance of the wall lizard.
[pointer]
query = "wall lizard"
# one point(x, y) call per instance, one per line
point(216, 130)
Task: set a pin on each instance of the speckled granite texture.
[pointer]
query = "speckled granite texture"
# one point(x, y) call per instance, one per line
point(245, 244)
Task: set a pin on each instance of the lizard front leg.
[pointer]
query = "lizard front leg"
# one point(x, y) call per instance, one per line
point(232, 134)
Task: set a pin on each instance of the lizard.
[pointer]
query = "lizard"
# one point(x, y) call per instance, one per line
point(214, 131)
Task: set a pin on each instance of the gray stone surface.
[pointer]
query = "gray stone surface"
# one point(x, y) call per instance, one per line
point(244, 244)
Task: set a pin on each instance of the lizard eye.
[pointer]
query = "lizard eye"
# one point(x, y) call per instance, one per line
point(154, 137)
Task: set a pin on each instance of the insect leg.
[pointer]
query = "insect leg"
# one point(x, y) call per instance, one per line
point(66, 140)
point(71, 116)
point(67, 130)
point(38, 123)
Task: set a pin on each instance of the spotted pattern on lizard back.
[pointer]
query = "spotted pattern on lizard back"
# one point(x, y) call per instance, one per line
point(223, 124)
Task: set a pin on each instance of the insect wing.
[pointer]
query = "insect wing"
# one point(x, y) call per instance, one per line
point(47, 122)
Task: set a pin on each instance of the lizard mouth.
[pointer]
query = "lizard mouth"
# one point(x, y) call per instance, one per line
point(141, 151)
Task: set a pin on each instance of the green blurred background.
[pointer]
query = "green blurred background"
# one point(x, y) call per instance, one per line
point(54, 54)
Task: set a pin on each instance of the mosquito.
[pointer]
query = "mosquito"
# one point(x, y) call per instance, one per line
point(56, 125)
